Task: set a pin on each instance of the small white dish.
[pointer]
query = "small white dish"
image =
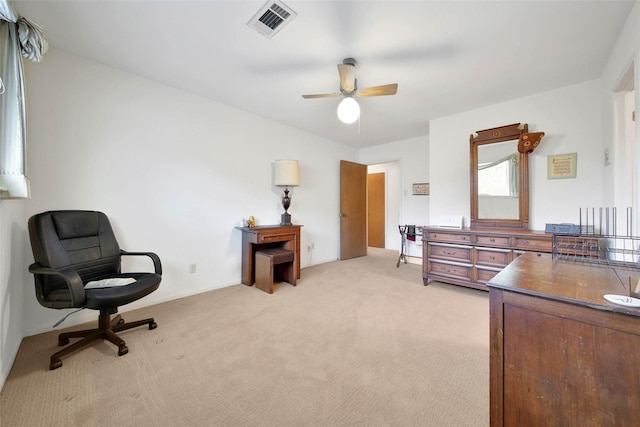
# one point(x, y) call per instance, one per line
point(623, 300)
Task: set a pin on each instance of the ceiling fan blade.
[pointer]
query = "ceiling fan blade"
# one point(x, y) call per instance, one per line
point(383, 90)
point(347, 77)
point(323, 95)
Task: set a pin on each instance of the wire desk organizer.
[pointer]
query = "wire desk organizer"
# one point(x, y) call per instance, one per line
point(602, 245)
point(407, 232)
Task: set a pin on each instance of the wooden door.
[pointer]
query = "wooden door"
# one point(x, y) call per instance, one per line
point(353, 209)
point(375, 209)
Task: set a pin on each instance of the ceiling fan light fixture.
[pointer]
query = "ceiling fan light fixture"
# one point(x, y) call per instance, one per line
point(348, 110)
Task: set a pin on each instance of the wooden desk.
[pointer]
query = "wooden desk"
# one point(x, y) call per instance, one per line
point(561, 355)
point(268, 236)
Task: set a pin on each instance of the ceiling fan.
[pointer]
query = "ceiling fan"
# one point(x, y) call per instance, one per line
point(349, 110)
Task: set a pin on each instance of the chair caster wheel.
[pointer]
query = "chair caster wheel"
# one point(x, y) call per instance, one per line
point(120, 321)
point(63, 341)
point(153, 325)
point(122, 350)
point(55, 364)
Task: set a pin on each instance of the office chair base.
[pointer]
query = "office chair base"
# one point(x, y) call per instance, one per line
point(106, 330)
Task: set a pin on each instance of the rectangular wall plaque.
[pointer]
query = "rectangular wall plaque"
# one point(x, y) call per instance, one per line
point(421, 189)
point(562, 166)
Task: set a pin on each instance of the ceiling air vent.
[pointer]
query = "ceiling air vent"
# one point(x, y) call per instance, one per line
point(271, 18)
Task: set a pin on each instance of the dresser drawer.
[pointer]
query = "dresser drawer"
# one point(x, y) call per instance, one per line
point(493, 257)
point(454, 270)
point(484, 240)
point(450, 237)
point(449, 252)
point(484, 274)
point(533, 243)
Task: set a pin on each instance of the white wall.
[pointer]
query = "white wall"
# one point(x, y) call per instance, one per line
point(175, 173)
point(571, 120)
point(11, 282)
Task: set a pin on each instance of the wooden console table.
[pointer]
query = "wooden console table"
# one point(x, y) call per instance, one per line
point(268, 236)
point(560, 354)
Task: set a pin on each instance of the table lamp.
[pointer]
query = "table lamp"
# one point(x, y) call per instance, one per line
point(287, 174)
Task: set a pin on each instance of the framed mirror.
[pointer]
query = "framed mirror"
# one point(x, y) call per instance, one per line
point(499, 164)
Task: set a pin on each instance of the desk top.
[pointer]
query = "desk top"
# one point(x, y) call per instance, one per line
point(267, 227)
point(566, 281)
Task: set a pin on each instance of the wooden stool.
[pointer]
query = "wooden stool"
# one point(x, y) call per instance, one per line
point(278, 259)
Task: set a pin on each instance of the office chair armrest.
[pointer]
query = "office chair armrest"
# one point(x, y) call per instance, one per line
point(74, 282)
point(156, 260)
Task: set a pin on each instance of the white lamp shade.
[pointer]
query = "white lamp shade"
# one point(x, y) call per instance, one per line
point(348, 110)
point(287, 173)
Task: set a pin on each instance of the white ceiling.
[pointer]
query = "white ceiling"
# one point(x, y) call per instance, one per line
point(446, 56)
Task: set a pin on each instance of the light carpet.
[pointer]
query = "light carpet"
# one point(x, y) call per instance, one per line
point(356, 343)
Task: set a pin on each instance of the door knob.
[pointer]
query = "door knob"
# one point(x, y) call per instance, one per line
point(343, 215)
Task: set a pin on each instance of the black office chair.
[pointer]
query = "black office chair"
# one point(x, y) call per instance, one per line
point(72, 248)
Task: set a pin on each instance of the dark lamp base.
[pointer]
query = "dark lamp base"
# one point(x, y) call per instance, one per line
point(285, 219)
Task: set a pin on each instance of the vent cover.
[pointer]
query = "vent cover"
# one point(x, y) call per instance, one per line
point(271, 18)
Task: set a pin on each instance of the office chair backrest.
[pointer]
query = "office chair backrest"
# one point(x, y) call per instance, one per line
point(80, 240)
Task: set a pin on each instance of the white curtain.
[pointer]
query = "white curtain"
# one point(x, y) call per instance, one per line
point(18, 38)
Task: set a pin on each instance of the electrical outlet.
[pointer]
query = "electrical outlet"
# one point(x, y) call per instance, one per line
point(192, 268)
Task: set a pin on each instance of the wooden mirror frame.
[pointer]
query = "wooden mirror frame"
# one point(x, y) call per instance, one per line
point(527, 142)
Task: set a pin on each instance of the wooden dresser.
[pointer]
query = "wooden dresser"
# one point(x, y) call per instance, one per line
point(472, 256)
point(560, 354)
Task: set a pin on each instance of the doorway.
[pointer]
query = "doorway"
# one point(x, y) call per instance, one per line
point(353, 207)
point(376, 209)
point(392, 203)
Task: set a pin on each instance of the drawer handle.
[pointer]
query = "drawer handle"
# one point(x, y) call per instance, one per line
point(451, 270)
point(464, 237)
point(493, 258)
point(492, 240)
point(449, 253)
point(525, 242)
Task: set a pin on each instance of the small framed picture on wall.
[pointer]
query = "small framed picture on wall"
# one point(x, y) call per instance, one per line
point(562, 166)
point(421, 189)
